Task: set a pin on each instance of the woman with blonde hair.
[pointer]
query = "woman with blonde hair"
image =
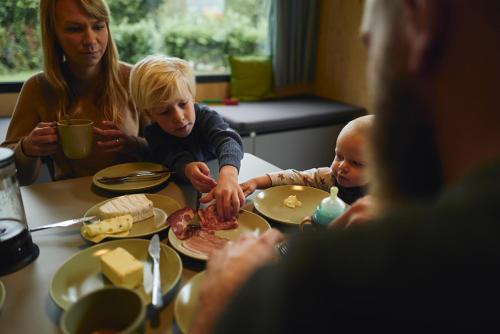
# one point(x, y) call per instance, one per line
point(82, 78)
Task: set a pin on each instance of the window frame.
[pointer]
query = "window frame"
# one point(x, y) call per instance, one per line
point(15, 87)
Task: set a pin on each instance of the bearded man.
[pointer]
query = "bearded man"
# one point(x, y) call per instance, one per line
point(429, 262)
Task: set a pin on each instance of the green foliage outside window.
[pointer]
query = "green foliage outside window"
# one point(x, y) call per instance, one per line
point(143, 27)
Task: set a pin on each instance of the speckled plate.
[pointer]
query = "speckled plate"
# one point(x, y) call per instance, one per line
point(163, 206)
point(81, 274)
point(125, 169)
point(187, 301)
point(248, 222)
point(270, 204)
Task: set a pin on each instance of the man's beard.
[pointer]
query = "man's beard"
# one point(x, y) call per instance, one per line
point(405, 155)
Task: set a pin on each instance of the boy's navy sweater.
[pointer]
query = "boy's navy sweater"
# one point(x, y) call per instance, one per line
point(210, 138)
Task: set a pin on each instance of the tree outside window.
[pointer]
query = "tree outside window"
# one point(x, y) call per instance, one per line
point(203, 32)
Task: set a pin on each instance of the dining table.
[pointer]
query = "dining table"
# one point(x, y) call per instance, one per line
point(28, 307)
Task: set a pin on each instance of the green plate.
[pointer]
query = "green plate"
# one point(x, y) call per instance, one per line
point(248, 222)
point(163, 206)
point(125, 169)
point(2, 294)
point(186, 302)
point(269, 203)
point(81, 274)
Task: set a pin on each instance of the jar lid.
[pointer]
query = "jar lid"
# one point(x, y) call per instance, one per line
point(6, 156)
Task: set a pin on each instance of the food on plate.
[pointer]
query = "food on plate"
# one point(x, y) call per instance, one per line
point(180, 221)
point(200, 238)
point(204, 242)
point(210, 221)
point(137, 205)
point(122, 268)
point(292, 202)
point(109, 226)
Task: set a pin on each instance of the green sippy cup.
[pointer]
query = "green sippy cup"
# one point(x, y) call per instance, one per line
point(328, 209)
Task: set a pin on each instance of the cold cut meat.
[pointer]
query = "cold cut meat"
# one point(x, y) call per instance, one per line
point(211, 222)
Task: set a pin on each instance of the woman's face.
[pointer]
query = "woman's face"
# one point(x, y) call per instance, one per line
point(82, 38)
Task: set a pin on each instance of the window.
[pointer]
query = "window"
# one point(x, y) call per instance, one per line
point(203, 32)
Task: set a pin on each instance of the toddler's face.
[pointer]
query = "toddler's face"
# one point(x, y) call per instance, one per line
point(175, 118)
point(349, 164)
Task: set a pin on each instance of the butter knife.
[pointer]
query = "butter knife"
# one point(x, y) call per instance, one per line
point(154, 252)
point(64, 223)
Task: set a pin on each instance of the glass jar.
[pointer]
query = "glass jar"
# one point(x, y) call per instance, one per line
point(16, 246)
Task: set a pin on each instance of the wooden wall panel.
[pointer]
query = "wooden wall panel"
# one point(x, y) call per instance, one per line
point(341, 59)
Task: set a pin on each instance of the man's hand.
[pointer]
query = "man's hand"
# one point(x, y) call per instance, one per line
point(198, 174)
point(360, 212)
point(41, 141)
point(228, 269)
point(227, 194)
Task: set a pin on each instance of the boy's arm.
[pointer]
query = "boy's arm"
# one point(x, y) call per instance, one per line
point(321, 178)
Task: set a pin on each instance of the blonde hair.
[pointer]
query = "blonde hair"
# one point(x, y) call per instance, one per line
point(157, 80)
point(113, 93)
point(362, 125)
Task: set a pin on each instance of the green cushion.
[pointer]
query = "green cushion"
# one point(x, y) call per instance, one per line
point(251, 77)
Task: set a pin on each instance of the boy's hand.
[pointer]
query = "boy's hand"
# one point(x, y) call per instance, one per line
point(198, 174)
point(227, 194)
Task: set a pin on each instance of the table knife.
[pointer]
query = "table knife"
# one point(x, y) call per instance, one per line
point(64, 223)
point(154, 252)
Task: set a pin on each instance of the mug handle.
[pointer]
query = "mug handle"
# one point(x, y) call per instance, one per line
point(306, 220)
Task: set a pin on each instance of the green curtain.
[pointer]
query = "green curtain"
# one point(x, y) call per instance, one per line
point(292, 38)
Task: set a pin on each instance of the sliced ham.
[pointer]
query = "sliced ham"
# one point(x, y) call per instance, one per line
point(211, 222)
point(179, 222)
point(204, 242)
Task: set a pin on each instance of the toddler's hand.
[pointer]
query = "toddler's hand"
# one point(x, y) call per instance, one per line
point(248, 187)
point(198, 174)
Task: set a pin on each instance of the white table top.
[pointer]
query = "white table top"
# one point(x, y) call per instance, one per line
point(28, 307)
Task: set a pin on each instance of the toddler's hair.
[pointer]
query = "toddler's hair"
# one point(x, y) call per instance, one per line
point(157, 80)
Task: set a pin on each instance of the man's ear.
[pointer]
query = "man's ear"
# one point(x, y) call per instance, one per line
point(425, 24)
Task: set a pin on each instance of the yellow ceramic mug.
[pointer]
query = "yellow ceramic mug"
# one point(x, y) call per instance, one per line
point(76, 137)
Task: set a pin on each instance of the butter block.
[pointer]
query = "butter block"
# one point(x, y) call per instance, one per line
point(122, 268)
point(109, 226)
point(136, 205)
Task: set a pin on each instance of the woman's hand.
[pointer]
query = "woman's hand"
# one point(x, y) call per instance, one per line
point(41, 141)
point(360, 212)
point(227, 194)
point(198, 174)
point(112, 139)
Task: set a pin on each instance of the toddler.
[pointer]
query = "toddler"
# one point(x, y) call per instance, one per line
point(347, 171)
point(183, 134)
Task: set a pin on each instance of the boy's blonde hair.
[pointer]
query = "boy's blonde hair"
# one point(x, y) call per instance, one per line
point(157, 80)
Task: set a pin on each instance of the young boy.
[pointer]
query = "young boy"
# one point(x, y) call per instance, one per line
point(183, 134)
point(347, 171)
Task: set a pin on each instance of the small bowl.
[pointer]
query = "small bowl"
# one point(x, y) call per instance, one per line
point(111, 309)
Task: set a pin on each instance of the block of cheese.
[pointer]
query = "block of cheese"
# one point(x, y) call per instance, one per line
point(122, 268)
point(109, 226)
point(136, 205)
